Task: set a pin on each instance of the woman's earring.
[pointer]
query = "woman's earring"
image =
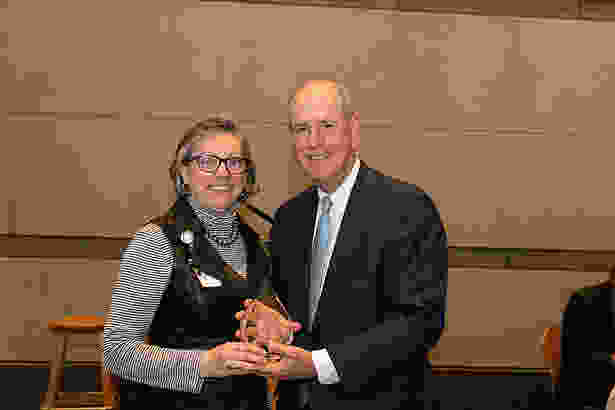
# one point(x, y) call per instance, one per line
point(180, 186)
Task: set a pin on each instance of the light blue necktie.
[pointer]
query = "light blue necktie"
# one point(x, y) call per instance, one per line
point(320, 251)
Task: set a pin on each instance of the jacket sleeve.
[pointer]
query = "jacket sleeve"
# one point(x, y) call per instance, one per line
point(415, 272)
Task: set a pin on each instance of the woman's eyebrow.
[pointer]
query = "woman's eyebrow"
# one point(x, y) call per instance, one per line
point(219, 154)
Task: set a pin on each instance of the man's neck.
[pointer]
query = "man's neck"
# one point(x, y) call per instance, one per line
point(332, 185)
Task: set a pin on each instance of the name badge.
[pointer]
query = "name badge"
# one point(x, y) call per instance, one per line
point(208, 281)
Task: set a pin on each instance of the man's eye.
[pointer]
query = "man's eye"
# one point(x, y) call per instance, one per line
point(300, 129)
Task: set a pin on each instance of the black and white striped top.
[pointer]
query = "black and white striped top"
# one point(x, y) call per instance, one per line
point(145, 271)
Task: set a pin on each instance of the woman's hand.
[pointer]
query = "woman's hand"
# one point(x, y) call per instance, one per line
point(230, 359)
point(270, 325)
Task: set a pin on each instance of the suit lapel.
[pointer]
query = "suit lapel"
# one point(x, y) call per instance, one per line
point(303, 229)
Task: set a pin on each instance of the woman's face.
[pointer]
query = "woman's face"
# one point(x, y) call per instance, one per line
point(216, 189)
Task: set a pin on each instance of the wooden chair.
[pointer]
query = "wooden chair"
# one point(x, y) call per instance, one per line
point(551, 349)
point(55, 396)
point(112, 390)
point(272, 393)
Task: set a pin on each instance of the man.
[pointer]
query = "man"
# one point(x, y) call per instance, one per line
point(587, 373)
point(360, 260)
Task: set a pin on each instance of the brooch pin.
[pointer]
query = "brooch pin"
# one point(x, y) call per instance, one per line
point(208, 281)
point(187, 237)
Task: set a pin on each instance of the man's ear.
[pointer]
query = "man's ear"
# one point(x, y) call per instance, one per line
point(355, 131)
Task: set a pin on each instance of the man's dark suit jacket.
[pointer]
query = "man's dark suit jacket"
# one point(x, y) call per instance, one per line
point(588, 339)
point(383, 302)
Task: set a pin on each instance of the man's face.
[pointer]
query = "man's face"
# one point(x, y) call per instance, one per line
point(324, 140)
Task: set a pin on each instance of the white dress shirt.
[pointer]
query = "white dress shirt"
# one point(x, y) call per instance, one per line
point(327, 374)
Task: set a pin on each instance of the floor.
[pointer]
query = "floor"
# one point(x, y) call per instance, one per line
point(459, 392)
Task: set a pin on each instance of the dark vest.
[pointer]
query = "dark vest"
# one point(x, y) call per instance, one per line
point(192, 317)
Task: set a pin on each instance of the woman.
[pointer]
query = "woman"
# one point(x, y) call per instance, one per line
point(587, 373)
point(183, 277)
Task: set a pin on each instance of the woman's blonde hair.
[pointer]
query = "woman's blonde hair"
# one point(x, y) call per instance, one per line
point(205, 128)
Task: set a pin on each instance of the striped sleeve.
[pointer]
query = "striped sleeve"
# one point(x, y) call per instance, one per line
point(145, 271)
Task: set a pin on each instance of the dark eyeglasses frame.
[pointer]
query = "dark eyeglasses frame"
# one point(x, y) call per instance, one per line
point(248, 162)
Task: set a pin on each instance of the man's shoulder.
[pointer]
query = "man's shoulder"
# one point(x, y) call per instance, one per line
point(393, 190)
point(374, 184)
point(375, 179)
point(297, 200)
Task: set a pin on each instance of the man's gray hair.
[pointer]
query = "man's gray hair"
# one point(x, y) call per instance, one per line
point(342, 98)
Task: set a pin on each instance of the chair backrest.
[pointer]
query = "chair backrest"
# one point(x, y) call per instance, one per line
point(551, 349)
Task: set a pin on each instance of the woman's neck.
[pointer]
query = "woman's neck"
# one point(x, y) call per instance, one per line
point(214, 212)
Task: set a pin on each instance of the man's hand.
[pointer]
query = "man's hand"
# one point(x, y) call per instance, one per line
point(296, 363)
point(270, 324)
point(231, 359)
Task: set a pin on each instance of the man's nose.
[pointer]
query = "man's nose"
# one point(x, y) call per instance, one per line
point(314, 136)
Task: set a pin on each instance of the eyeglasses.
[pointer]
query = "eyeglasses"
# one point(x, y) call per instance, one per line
point(210, 163)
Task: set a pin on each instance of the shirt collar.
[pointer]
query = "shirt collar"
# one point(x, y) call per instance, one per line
point(211, 217)
point(341, 194)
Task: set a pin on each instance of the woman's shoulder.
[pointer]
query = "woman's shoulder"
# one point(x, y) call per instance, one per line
point(150, 228)
point(150, 237)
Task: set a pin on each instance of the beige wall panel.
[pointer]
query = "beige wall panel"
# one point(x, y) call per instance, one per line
point(548, 8)
point(37, 291)
point(534, 193)
point(496, 318)
point(185, 59)
point(571, 77)
point(4, 215)
point(106, 177)
point(440, 78)
point(493, 116)
point(99, 57)
point(7, 197)
point(93, 177)
point(271, 147)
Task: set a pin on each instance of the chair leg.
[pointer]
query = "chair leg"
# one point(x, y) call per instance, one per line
point(56, 374)
point(110, 390)
point(272, 391)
